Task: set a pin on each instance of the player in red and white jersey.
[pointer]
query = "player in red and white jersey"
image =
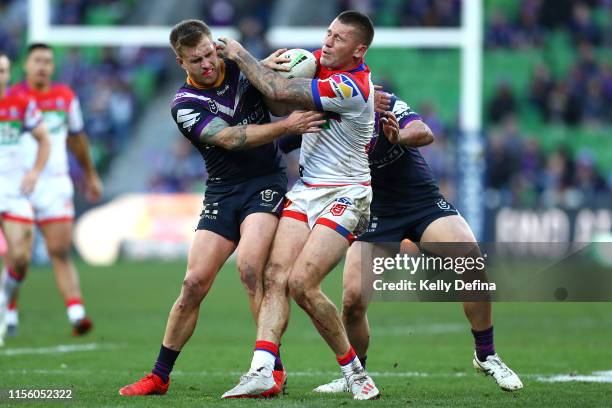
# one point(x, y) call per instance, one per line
point(336, 155)
point(52, 198)
point(18, 114)
point(326, 208)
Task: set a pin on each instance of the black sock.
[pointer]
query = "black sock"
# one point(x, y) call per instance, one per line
point(278, 364)
point(165, 362)
point(362, 360)
point(483, 343)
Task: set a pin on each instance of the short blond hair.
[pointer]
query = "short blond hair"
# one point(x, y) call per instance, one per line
point(188, 33)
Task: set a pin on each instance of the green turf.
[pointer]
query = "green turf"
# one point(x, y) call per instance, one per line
point(420, 352)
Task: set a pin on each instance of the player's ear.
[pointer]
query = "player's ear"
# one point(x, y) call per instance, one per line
point(360, 51)
point(179, 61)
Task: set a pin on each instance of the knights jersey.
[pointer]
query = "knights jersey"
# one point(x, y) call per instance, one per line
point(18, 114)
point(234, 100)
point(62, 116)
point(338, 154)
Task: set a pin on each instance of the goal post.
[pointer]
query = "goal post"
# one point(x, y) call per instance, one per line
point(468, 38)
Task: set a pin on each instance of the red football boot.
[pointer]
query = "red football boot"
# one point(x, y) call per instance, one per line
point(150, 384)
point(82, 327)
point(280, 378)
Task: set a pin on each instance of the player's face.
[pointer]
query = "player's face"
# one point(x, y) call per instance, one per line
point(39, 67)
point(5, 71)
point(341, 46)
point(201, 62)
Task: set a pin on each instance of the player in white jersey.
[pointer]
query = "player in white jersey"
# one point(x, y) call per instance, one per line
point(18, 114)
point(52, 198)
point(326, 208)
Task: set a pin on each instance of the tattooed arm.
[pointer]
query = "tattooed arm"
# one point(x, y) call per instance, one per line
point(271, 84)
point(219, 133)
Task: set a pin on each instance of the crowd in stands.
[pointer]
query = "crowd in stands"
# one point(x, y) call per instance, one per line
point(91, 11)
point(519, 171)
point(521, 174)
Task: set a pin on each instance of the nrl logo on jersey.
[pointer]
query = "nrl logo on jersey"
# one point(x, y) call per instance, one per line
point(187, 118)
point(212, 105)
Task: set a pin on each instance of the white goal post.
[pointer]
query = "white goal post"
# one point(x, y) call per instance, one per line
point(467, 38)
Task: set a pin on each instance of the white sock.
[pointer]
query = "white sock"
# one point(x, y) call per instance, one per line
point(12, 317)
point(75, 313)
point(10, 285)
point(264, 359)
point(351, 368)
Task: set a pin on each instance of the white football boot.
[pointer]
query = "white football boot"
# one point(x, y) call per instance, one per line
point(359, 382)
point(362, 386)
point(255, 384)
point(334, 387)
point(501, 373)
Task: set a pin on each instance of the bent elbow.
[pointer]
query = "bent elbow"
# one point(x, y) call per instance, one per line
point(429, 137)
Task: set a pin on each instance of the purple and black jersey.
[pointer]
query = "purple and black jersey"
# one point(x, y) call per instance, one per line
point(238, 103)
point(401, 178)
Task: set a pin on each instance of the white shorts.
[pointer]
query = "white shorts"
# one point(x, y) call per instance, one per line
point(16, 208)
point(52, 199)
point(345, 209)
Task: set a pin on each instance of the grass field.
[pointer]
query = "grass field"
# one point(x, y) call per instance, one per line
point(420, 353)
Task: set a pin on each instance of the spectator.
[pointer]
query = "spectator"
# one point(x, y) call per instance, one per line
point(500, 33)
point(503, 103)
point(540, 88)
point(582, 26)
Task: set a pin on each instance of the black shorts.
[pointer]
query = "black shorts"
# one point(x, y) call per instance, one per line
point(408, 224)
point(225, 207)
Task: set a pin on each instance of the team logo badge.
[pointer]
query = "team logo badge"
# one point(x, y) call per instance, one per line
point(268, 195)
point(212, 105)
point(443, 205)
point(338, 209)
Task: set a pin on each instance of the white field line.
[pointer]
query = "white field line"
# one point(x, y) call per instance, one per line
point(61, 348)
point(595, 377)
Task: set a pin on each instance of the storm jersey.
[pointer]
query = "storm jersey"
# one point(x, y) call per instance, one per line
point(338, 154)
point(62, 115)
point(401, 178)
point(18, 114)
point(234, 100)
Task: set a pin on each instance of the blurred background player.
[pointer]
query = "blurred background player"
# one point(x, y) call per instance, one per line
point(52, 199)
point(408, 204)
point(226, 119)
point(18, 114)
point(326, 207)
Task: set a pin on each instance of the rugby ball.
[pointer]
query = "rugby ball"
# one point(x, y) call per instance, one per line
point(302, 63)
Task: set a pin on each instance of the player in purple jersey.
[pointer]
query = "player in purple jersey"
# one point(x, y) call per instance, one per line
point(226, 119)
point(408, 204)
